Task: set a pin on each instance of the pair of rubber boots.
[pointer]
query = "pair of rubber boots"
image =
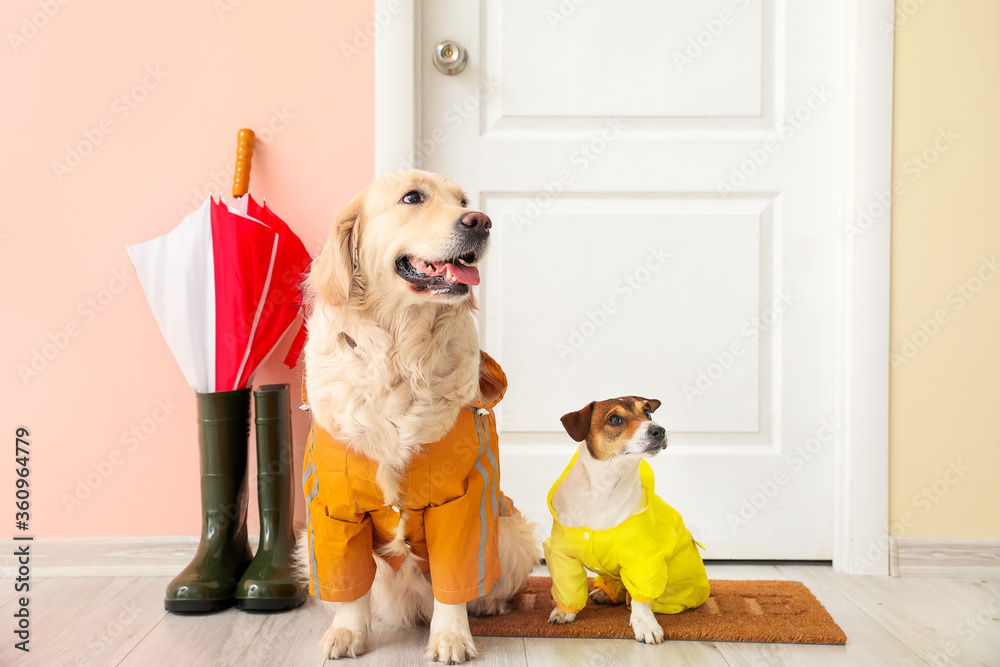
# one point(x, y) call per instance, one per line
point(222, 572)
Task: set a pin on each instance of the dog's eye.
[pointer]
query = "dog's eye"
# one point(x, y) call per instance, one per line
point(412, 197)
point(649, 415)
point(464, 203)
point(615, 420)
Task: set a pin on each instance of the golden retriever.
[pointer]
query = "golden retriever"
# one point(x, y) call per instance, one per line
point(391, 359)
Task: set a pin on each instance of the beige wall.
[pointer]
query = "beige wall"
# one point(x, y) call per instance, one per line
point(945, 331)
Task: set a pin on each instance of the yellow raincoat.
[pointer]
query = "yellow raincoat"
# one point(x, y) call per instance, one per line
point(650, 555)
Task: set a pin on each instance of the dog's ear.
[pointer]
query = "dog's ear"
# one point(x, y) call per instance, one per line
point(653, 403)
point(577, 424)
point(334, 271)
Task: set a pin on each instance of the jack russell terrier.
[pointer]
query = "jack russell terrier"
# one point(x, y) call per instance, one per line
point(608, 519)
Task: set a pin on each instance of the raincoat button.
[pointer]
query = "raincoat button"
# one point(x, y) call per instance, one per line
point(395, 509)
point(586, 536)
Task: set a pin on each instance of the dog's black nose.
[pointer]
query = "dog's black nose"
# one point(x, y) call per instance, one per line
point(658, 433)
point(475, 220)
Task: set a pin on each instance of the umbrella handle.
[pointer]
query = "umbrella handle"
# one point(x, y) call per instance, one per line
point(244, 154)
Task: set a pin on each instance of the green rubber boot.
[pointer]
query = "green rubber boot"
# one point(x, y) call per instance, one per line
point(269, 584)
point(209, 581)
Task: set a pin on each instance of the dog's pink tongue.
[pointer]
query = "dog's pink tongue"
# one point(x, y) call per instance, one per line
point(465, 274)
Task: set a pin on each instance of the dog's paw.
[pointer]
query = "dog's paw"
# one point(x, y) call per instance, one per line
point(600, 596)
point(451, 648)
point(647, 630)
point(343, 643)
point(558, 616)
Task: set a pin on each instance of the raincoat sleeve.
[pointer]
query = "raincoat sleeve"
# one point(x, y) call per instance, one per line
point(569, 578)
point(646, 576)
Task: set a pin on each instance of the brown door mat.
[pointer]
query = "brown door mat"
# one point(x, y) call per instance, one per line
point(737, 611)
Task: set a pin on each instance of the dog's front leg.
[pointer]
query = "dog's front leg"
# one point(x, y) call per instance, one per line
point(348, 634)
point(647, 628)
point(451, 641)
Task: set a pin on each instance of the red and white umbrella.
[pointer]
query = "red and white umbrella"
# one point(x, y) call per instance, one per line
point(224, 286)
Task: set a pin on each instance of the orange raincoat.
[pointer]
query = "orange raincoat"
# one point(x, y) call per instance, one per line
point(450, 502)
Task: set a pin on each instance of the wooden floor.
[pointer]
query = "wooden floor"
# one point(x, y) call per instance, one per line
point(888, 621)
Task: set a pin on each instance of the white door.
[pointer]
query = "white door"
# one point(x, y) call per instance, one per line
point(663, 181)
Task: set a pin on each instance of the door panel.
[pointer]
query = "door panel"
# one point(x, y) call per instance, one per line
point(621, 291)
point(556, 66)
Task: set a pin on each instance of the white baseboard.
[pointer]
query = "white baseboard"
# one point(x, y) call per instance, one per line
point(106, 556)
point(944, 557)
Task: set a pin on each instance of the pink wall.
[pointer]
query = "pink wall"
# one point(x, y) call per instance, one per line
point(151, 96)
